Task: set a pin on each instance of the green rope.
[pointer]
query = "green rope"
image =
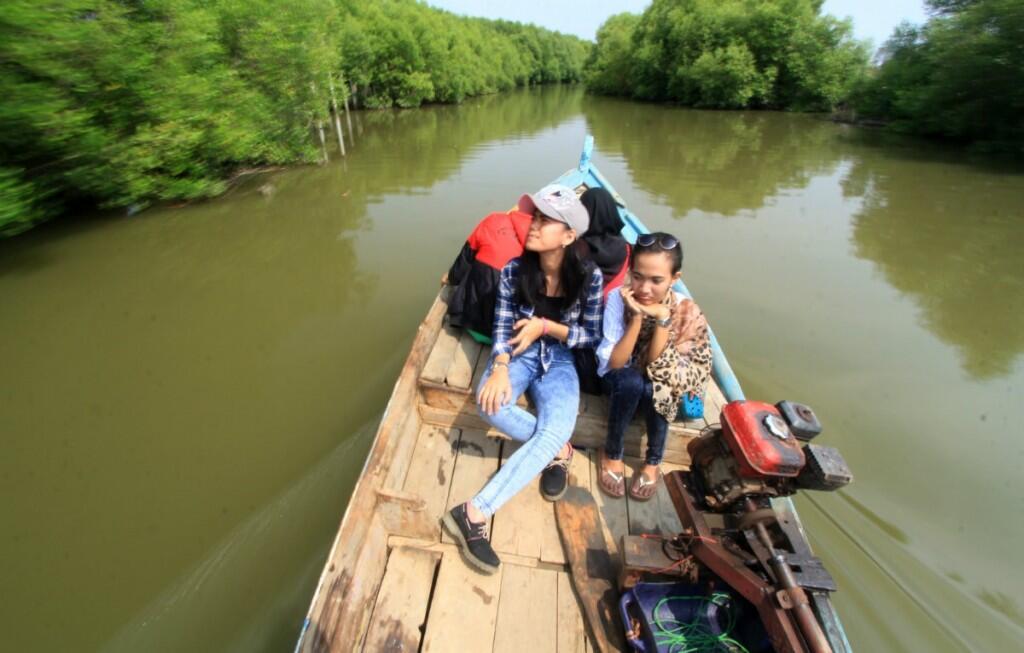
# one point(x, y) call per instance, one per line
point(682, 637)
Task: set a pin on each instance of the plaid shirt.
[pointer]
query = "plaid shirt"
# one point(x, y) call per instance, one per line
point(583, 319)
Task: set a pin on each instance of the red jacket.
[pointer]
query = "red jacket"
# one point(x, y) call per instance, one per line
point(500, 237)
point(474, 275)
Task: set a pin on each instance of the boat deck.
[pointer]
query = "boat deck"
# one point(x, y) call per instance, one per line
point(429, 598)
point(394, 582)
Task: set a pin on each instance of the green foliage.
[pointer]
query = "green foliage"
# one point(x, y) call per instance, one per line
point(960, 76)
point(17, 208)
point(116, 103)
point(401, 53)
point(728, 54)
point(608, 68)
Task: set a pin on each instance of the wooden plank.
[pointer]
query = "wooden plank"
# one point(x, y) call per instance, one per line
point(460, 371)
point(452, 400)
point(518, 523)
point(438, 408)
point(406, 426)
point(593, 405)
point(345, 598)
point(401, 606)
point(449, 418)
point(432, 467)
point(593, 567)
point(644, 516)
point(572, 637)
point(441, 355)
point(404, 514)
point(528, 614)
point(579, 469)
point(445, 547)
point(550, 544)
point(714, 402)
point(551, 549)
point(464, 610)
point(613, 512)
point(475, 463)
point(669, 522)
point(481, 367)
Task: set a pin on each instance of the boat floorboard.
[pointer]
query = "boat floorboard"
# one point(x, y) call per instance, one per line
point(430, 599)
point(395, 581)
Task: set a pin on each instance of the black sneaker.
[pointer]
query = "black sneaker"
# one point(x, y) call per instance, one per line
point(554, 480)
point(472, 538)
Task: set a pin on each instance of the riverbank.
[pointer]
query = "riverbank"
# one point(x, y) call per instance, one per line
point(119, 107)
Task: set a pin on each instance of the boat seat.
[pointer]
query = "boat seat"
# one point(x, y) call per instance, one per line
point(453, 371)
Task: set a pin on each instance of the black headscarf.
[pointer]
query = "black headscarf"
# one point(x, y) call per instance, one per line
point(607, 246)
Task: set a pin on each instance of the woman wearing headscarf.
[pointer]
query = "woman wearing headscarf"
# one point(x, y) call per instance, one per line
point(608, 249)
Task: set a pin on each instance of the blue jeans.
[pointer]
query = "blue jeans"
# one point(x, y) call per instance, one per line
point(628, 390)
point(556, 394)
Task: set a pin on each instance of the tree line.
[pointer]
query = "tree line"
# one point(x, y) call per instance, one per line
point(960, 76)
point(728, 54)
point(121, 103)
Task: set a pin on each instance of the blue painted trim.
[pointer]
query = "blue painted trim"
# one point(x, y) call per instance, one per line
point(588, 149)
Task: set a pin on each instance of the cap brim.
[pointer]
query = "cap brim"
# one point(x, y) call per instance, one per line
point(526, 204)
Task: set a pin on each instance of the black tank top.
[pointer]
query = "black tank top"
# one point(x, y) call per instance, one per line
point(549, 307)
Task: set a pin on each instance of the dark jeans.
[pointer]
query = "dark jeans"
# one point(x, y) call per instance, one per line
point(628, 390)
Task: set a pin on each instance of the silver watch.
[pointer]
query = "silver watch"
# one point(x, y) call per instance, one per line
point(666, 323)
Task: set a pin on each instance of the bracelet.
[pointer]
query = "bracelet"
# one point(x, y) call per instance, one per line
point(544, 324)
point(497, 363)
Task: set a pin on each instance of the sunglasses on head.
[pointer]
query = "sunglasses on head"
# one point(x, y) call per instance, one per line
point(664, 241)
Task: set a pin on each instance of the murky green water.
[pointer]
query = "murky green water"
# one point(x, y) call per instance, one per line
point(186, 396)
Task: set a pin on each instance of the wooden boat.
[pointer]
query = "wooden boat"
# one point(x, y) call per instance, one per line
point(395, 581)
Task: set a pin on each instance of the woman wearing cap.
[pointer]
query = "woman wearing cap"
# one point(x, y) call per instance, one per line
point(549, 302)
point(654, 355)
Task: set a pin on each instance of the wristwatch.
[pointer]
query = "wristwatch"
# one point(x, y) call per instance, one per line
point(666, 323)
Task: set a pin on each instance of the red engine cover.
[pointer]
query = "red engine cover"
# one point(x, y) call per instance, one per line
point(761, 440)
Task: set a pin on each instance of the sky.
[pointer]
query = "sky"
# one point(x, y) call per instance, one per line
point(872, 19)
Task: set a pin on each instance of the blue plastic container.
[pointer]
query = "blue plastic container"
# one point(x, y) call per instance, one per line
point(642, 601)
point(691, 408)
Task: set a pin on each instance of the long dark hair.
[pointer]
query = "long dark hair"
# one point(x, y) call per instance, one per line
point(574, 275)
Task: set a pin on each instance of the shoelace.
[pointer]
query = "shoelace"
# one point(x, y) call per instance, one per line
point(478, 531)
point(562, 462)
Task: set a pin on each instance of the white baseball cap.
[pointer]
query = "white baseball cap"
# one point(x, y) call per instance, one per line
point(558, 202)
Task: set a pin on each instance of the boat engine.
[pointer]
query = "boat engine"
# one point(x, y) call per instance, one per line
point(760, 450)
point(730, 525)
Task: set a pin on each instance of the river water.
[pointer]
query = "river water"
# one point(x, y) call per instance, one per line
point(187, 395)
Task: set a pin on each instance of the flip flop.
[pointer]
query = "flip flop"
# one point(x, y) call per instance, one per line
point(611, 483)
point(642, 489)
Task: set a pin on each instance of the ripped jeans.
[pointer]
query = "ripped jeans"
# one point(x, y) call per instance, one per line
point(556, 394)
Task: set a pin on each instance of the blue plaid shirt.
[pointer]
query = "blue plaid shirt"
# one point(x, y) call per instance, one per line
point(583, 319)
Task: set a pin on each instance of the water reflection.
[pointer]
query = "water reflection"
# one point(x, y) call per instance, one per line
point(425, 145)
point(716, 162)
point(951, 236)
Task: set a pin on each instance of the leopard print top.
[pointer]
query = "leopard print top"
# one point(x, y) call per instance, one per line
point(685, 364)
